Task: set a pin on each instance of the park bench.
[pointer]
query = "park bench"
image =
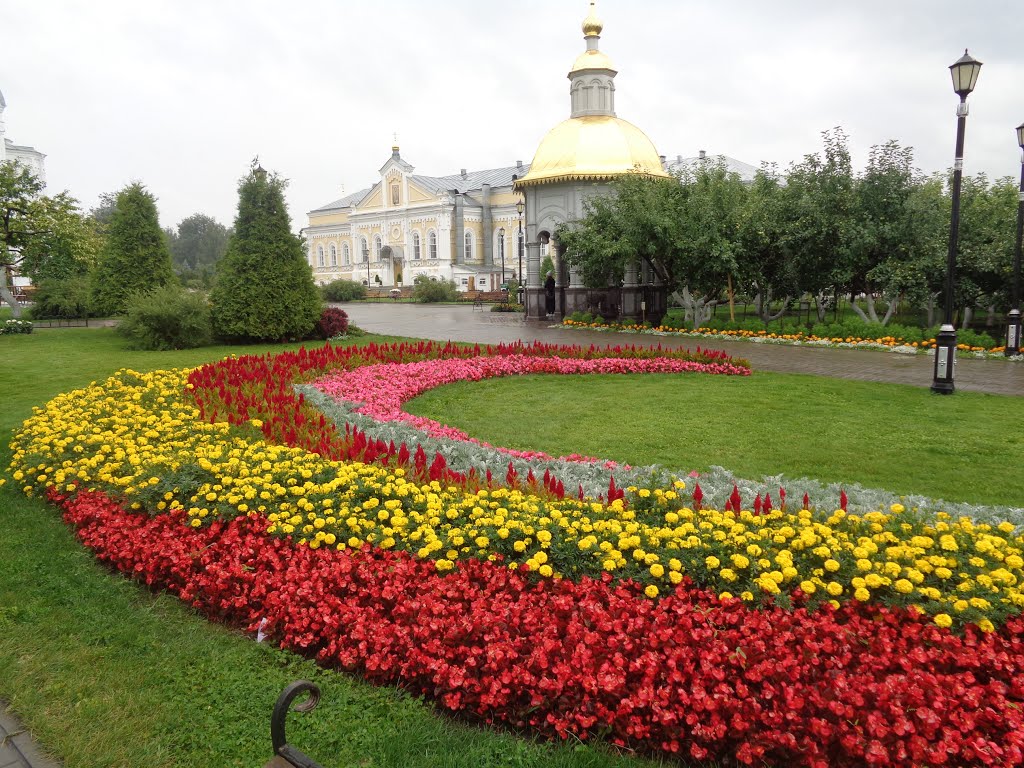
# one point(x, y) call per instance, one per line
point(285, 755)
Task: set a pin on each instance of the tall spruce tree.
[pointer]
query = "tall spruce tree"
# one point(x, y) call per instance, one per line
point(264, 289)
point(135, 256)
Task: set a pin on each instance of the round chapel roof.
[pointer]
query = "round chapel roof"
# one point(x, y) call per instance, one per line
point(595, 148)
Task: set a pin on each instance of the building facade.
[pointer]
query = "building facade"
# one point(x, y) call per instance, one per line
point(30, 157)
point(463, 227)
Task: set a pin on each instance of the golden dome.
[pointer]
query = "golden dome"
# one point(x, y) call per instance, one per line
point(592, 25)
point(591, 60)
point(593, 147)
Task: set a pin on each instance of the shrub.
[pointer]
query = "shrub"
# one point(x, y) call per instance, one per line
point(166, 317)
point(343, 290)
point(509, 307)
point(62, 299)
point(15, 326)
point(333, 322)
point(426, 290)
point(975, 339)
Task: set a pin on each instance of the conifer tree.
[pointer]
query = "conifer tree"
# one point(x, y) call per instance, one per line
point(135, 256)
point(264, 289)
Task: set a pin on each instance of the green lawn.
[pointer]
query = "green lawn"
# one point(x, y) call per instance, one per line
point(107, 674)
point(894, 437)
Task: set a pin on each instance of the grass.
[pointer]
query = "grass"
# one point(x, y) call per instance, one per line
point(105, 673)
point(895, 437)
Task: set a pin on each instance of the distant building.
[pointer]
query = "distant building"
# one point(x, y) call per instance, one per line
point(27, 156)
point(462, 227)
point(34, 160)
point(745, 171)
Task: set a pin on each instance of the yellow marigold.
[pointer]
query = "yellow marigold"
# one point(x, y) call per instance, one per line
point(657, 570)
point(904, 586)
point(943, 620)
point(862, 594)
point(651, 591)
point(986, 626)
point(834, 588)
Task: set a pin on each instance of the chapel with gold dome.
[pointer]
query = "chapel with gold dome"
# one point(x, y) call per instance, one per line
point(482, 228)
point(577, 159)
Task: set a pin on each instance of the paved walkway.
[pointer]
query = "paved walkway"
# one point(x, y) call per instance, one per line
point(463, 323)
point(17, 748)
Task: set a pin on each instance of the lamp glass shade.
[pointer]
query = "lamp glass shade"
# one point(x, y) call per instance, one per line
point(1020, 135)
point(519, 207)
point(965, 74)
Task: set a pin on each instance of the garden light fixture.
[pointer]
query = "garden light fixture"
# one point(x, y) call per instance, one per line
point(965, 76)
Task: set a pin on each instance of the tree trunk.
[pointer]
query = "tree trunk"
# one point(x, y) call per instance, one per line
point(821, 306)
point(857, 309)
point(930, 309)
point(968, 316)
point(732, 306)
point(991, 319)
point(764, 308)
point(695, 309)
point(8, 296)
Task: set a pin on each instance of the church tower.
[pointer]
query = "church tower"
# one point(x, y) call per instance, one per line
point(579, 158)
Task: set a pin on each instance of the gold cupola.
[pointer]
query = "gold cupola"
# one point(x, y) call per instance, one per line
point(593, 144)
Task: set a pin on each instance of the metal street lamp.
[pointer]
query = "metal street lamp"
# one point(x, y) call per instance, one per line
point(520, 207)
point(501, 245)
point(1013, 320)
point(965, 75)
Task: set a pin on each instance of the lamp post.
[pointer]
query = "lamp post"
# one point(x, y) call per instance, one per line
point(1013, 320)
point(366, 258)
point(965, 75)
point(501, 243)
point(520, 207)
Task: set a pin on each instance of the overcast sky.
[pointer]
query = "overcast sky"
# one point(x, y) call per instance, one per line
point(182, 94)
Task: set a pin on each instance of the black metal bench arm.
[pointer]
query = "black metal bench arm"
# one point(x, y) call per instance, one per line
point(282, 748)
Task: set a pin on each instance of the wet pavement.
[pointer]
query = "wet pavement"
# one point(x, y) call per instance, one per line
point(464, 323)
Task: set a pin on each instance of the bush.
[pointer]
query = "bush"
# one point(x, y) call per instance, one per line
point(426, 290)
point(975, 339)
point(509, 307)
point(333, 322)
point(15, 326)
point(167, 318)
point(62, 299)
point(343, 290)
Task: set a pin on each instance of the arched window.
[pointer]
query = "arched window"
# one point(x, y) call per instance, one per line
point(334, 255)
point(469, 246)
point(363, 249)
point(376, 247)
point(396, 197)
point(501, 247)
point(432, 244)
point(416, 254)
point(319, 255)
point(346, 259)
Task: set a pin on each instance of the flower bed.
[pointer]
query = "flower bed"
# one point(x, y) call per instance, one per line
point(882, 342)
point(779, 633)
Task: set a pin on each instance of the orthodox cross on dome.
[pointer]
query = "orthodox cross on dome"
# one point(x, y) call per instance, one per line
point(592, 25)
